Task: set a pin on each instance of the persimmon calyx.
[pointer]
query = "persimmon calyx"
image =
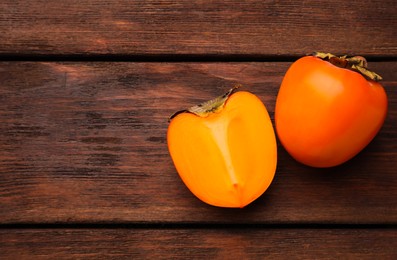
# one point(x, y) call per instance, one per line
point(357, 63)
point(208, 107)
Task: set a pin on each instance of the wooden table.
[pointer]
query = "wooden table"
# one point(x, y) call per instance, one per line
point(86, 88)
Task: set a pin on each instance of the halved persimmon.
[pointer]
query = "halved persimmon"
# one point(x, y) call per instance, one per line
point(225, 149)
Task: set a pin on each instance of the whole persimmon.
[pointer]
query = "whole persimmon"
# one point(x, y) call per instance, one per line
point(328, 109)
point(225, 149)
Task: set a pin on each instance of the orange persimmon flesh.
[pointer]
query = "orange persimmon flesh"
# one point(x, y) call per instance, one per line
point(227, 158)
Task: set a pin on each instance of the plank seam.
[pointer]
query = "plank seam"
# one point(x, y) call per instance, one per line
point(163, 58)
point(195, 226)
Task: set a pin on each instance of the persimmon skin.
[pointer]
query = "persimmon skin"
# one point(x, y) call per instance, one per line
point(325, 115)
point(227, 159)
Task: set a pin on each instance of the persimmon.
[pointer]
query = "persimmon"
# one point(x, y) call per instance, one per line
point(225, 149)
point(328, 109)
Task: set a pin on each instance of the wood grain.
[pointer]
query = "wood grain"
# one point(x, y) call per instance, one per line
point(198, 243)
point(163, 27)
point(85, 142)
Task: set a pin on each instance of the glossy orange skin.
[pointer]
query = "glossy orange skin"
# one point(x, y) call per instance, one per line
point(227, 159)
point(325, 115)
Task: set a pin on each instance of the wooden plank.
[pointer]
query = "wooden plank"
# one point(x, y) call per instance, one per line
point(199, 243)
point(86, 142)
point(164, 27)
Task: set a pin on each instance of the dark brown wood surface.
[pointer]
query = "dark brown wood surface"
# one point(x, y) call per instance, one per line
point(86, 142)
point(86, 88)
point(264, 28)
point(212, 243)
